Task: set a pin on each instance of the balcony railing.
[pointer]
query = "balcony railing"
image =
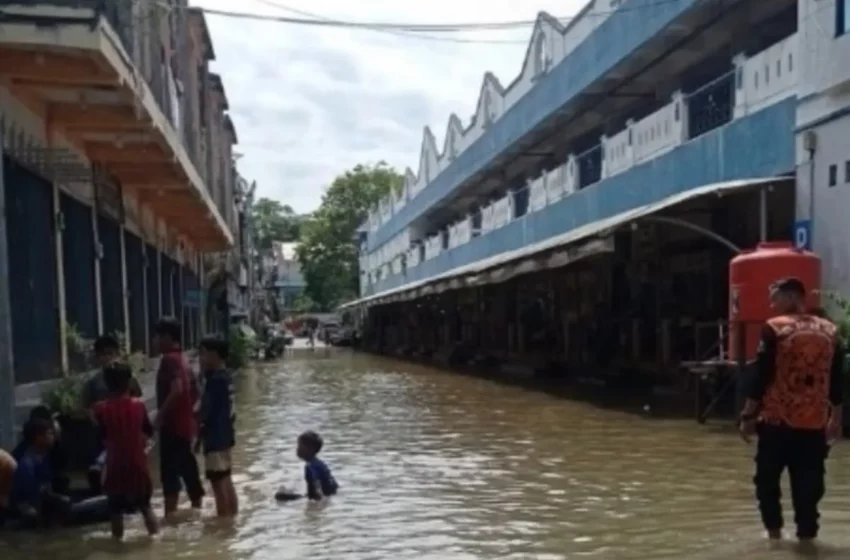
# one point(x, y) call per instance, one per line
point(718, 102)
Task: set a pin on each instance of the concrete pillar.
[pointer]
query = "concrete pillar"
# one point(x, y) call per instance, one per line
point(630, 145)
point(603, 163)
point(98, 255)
point(680, 116)
point(571, 179)
point(58, 226)
point(159, 310)
point(740, 90)
point(125, 291)
point(7, 360)
point(145, 266)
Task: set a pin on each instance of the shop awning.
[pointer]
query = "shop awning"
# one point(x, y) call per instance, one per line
point(557, 251)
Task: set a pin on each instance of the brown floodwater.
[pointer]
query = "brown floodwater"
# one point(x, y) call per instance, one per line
point(436, 465)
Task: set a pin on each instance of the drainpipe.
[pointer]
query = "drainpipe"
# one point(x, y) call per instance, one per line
point(7, 360)
point(98, 255)
point(812, 151)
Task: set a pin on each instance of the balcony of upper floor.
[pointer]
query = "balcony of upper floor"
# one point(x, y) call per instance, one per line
point(578, 82)
point(739, 124)
point(96, 73)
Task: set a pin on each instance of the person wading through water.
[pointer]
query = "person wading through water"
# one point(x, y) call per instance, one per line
point(794, 407)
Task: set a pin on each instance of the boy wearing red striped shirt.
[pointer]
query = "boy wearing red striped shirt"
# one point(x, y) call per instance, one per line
point(126, 429)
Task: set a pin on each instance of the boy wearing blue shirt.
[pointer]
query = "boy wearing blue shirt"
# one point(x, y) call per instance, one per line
point(317, 474)
point(217, 416)
point(32, 497)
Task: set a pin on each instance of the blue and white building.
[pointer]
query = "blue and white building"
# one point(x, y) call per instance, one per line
point(632, 105)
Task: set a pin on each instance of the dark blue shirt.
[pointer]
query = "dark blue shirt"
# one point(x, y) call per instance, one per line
point(217, 412)
point(32, 477)
point(317, 473)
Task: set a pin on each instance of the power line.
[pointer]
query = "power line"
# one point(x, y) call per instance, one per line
point(391, 31)
point(410, 26)
point(411, 30)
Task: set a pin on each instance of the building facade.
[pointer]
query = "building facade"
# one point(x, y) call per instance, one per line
point(822, 128)
point(638, 132)
point(289, 280)
point(117, 176)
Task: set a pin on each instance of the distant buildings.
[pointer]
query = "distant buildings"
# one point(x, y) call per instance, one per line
point(289, 281)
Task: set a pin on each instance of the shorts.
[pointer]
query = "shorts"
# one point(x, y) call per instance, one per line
point(218, 465)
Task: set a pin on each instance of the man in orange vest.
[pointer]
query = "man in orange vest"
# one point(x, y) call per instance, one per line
point(794, 406)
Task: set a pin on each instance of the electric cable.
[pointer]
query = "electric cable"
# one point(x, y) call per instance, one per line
point(411, 30)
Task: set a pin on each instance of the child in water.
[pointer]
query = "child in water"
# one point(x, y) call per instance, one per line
point(217, 416)
point(320, 482)
point(126, 428)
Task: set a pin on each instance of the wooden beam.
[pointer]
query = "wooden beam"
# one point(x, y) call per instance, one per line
point(29, 99)
point(133, 153)
point(47, 67)
point(96, 117)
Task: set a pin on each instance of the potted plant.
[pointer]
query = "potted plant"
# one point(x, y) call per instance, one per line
point(79, 439)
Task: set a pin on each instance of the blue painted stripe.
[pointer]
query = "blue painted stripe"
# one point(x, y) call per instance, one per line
point(759, 145)
point(617, 37)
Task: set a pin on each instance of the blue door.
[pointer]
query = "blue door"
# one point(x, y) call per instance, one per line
point(136, 287)
point(112, 292)
point(78, 258)
point(32, 274)
point(153, 275)
point(167, 274)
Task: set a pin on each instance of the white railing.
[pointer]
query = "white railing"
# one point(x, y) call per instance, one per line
point(503, 211)
point(460, 233)
point(659, 132)
point(413, 257)
point(537, 198)
point(618, 152)
point(766, 77)
point(433, 246)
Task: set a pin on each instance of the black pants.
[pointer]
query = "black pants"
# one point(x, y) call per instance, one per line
point(177, 463)
point(804, 453)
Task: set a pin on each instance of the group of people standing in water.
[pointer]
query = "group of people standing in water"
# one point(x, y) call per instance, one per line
point(192, 418)
point(189, 419)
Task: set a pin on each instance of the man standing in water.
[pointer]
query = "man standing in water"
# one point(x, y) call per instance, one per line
point(176, 394)
point(794, 406)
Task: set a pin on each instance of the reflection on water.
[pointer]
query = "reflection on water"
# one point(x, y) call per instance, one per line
point(443, 466)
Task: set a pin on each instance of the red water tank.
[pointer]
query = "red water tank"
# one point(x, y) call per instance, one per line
point(750, 276)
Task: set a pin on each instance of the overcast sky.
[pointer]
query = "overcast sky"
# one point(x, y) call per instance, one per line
point(309, 102)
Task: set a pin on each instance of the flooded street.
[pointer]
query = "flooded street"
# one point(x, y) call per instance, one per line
point(442, 466)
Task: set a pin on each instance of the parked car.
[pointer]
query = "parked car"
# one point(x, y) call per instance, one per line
point(342, 336)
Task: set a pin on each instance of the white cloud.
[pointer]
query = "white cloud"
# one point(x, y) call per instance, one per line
point(309, 102)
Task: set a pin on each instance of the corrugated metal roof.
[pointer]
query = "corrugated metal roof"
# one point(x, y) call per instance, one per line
point(588, 230)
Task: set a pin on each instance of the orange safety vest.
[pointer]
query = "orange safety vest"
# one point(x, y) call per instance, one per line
point(799, 394)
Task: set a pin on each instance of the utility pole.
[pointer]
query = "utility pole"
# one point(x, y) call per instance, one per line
point(7, 360)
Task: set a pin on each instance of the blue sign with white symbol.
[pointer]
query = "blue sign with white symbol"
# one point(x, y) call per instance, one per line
point(803, 235)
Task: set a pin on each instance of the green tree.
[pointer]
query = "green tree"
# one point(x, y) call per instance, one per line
point(328, 252)
point(273, 221)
